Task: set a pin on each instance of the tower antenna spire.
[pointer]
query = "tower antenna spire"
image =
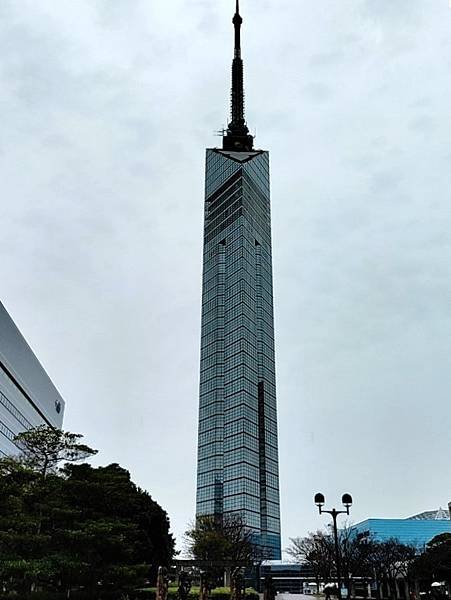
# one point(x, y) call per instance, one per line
point(237, 137)
point(237, 22)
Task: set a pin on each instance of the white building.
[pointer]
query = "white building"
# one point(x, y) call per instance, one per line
point(27, 395)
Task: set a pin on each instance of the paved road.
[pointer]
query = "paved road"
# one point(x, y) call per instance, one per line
point(295, 597)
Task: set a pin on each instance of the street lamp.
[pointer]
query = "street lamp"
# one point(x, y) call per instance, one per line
point(346, 500)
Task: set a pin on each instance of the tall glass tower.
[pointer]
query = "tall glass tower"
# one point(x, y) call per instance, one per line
point(237, 447)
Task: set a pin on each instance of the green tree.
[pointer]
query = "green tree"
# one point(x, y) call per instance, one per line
point(31, 491)
point(222, 539)
point(43, 448)
point(76, 526)
point(226, 540)
point(25, 503)
point(435, 562)
point(113, 526)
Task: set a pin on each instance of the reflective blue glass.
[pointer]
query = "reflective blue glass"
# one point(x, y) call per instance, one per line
point(238, 455)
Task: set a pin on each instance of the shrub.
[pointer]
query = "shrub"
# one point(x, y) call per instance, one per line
point(224, 594)
point(33, 596)
point(144, 594)
point(216, 594)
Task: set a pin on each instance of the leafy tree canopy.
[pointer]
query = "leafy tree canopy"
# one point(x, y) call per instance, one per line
point(78, 526)
point(44, 448)
point(435, 563)
point(222, 539)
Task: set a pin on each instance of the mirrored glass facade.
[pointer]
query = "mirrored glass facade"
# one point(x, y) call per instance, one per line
point(237, 448)
point(411, 532)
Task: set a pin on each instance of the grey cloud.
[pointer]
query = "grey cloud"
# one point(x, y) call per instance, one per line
point(318, 91)
point(385, 181)
point(423, 124)
point(326, 59)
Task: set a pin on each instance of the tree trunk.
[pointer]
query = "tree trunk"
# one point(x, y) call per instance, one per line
point(377, 585)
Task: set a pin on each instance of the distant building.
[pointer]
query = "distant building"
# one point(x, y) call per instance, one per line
point(431, 515)
point(28, 397)
point(417, 530)
point(286, 577)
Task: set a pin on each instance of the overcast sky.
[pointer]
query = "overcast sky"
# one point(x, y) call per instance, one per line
point(107, 107)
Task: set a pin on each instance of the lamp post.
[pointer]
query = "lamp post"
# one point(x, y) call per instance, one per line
point(346, 500)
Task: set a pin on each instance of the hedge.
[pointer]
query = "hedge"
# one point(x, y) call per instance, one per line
point(215, 594)
point(145, 594)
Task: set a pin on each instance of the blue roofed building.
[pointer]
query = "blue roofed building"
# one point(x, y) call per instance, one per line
point(415, 531)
